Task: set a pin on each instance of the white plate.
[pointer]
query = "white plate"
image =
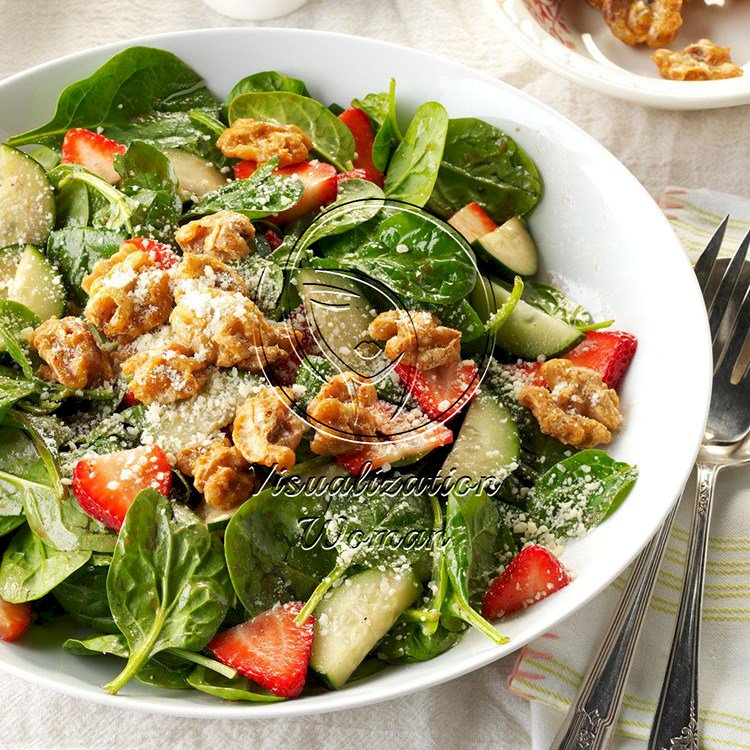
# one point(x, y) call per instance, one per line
point(596, 227)
point(571, 38)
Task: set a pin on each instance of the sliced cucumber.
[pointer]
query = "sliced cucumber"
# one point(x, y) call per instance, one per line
point(197, 419)
point(529, 332)
point(27, 206)
point(354, 617)
point(195, 176)
point(34, 283)
point(509, 250)
point(487, 445)
point(15, 318)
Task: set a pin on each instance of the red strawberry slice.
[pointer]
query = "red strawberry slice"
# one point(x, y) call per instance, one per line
point(359, 124)
point(607, 352)
point(406, 443)
point(93, 151)
point(530, 373)
point(105, 486)
point(533, 574)
point(14, 620)
point(270, 649)
point(318, 178)
point(161, 254)
point(129, 400)
point(472, 222)
point(443, 391)
point(272, 238)
point(358, 174)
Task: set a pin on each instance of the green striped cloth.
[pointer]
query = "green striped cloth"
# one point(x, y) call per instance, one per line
point(549, 670)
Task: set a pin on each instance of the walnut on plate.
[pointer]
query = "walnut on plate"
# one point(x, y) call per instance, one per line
point(165, 374)
point(343, 415)
point(641, 22)
point(129, 294)
point(578, 409)
point(702, 61)
point(206, 271)
point(257, 141)
point(417, 338)
point(71, 353)
point(266, 431)
point(223, 235)
point(219, 472)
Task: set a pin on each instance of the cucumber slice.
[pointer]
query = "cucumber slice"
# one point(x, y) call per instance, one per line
point(15, 317)
point(195, 176)
point(27, 205)
point(354, 617)
point(36, 283)
point(509, 250)
point(529, 332)
point(487, 445)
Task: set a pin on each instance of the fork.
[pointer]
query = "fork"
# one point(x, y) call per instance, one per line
point(589, 724)
point(724, 444)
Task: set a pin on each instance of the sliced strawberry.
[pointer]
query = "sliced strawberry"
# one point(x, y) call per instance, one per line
point(93, 151)
point(129, 400)
point(273, 239)
point(472, 222)
point(270, 649)
point(406, 442)
point(105, 486)
point(359, 124)
point(529, 373)
point(533, 574)
point(318, 178)
point(161, 254)
point(358, 174)
point(607, 352)
point(443, 391)
point(14, 620)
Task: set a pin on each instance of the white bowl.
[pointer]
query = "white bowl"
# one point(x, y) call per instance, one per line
point(598, 230)
point(570, 38)
point(254, 10)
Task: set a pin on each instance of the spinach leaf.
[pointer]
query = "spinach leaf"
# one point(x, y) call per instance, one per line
point(331, 139)
point(30, 569)
point(114, 644)
point(268, 80)
point(168, 585)
point(262, 194)
point(72, 207)
point(10, 523)
point(134, 81)
point(12, 390)
point(237, 689)
point(83, 596)
point(75, 250)
point(264, 279)
point(484, 164)
point(557, 304)
point(18, 455)
point(47, 157)
point(388, 136)
point(467, 550)
point(145, 166)
point(375, 106)
point(580, 492)
point(414, 166)
point(275, 548)
point(407, 643)
point(411, 254)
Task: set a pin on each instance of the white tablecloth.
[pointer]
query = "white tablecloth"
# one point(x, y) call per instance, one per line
point(660, 148)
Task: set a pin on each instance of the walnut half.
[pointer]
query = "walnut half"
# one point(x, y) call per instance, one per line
point(260, 141)
point(702, 61)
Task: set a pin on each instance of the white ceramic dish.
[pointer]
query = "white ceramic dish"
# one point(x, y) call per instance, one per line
point(570, 38)
point(254, 10)
point(598, 230)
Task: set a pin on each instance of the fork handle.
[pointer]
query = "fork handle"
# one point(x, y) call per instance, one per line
point(591, 719)
point(676, 719)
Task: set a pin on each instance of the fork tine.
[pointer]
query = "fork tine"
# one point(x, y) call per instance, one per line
point(735, 343)
point(708, 257)
point(720, 302)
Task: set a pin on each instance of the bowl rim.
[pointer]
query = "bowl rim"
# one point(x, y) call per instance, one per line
point(615, 81)
point(336, 701)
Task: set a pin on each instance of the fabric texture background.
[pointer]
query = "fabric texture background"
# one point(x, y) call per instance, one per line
point(697, 149)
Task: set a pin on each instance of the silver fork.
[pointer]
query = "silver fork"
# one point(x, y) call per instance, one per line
point(589, 724)
point(724, 444)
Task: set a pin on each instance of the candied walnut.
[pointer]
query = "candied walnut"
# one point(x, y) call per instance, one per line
point(260, 141)
point(129, 294)
point(343, 414)
point(702, 61)
point(578, 410)
point(220, 473)
point(266, 431)
point(228, 330)
point(641, 22)
point(223, 234)
point(417, 338)
point(207, 271)
point(165, 374)
point(72, 355)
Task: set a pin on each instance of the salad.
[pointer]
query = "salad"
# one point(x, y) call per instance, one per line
point(281, 402)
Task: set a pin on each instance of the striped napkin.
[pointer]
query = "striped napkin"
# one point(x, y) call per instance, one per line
point(549, 670)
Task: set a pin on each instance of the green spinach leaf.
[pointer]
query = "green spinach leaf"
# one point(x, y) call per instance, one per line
point(407, 643)
point(557, 304)
point(268, 80)
point(83, 596)
point(10, 523)
point(237, 689)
